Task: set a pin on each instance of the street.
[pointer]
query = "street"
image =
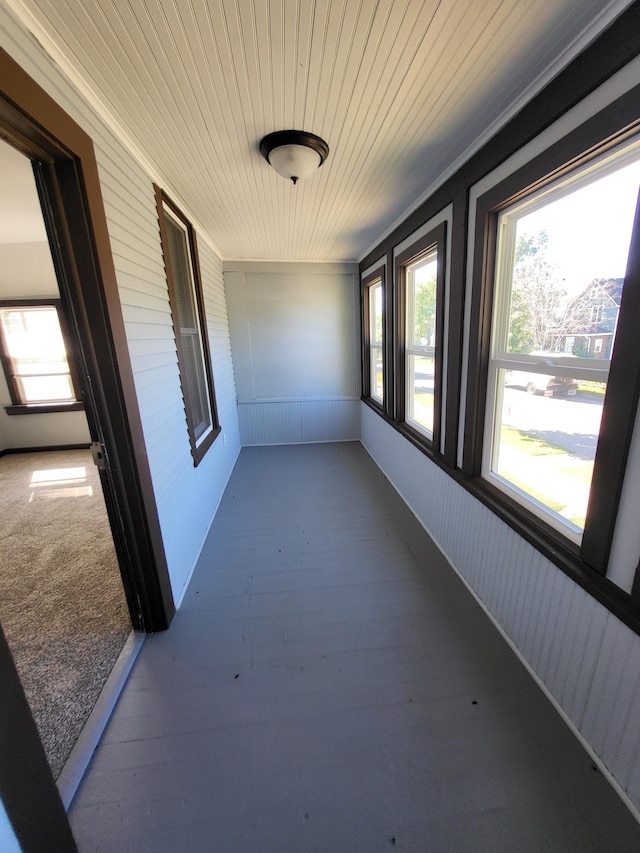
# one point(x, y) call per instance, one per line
point(571, 423)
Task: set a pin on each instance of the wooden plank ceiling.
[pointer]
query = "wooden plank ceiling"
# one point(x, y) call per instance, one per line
point(403, 91)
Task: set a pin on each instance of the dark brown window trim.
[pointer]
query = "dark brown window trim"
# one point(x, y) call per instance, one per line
point(198, 450)
point(44, 408)
point(20, 408)
point(542, 537)
point(607, 54)
point(601, 133)
point(434, 239)
point(562, 553)
point(377, 275)
point(610, 52)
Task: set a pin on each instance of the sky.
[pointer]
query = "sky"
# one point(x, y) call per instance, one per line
point(590, 229)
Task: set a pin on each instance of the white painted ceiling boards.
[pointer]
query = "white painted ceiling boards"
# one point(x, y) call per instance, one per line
point(403, 91)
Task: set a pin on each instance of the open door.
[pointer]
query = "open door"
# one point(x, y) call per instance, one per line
point(71, 201)
point(68, 184)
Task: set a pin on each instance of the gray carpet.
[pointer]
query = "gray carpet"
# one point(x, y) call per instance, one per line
point(62, 607)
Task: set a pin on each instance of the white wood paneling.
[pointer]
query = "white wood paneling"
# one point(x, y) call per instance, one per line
point(402, 90)
point(585, 658)
point(299, 421)
point(294, 337)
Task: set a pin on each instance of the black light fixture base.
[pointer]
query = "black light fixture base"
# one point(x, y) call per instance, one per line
point(293, 137)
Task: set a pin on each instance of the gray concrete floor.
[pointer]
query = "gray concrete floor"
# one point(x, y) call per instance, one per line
point(330, 685)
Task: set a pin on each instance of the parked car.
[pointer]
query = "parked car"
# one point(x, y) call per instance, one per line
point(534, 383)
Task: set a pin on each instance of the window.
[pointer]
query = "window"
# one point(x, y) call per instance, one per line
point(187, 310)
point(34, 357)
point(373, 336)
point(420, 296)
point(561, 256)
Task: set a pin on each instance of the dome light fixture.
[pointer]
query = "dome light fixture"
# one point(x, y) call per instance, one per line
point(294, 154)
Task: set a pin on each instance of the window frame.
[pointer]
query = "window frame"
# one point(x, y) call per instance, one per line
point(375, 277)
point(433, 240)
point(198, 444)
point(596, 137)
point(18, 405)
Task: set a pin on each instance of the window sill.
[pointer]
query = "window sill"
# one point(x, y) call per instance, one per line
point(424, 444)
point(44, 408)
point(376, 405)
point(199, 451)
point(548, 542)
point(562, 553)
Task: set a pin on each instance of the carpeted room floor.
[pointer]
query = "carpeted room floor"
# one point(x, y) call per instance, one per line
point(62, 606)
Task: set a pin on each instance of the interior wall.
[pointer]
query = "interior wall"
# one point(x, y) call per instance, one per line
point(295, 343)
point(26, 271)
point(187, 497)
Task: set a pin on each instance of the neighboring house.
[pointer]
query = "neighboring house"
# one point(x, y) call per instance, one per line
point(591, 319)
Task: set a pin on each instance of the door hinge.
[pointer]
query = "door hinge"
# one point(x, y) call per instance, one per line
point(99, 454)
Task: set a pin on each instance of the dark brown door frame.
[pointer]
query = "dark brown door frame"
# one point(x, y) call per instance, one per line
point(68, 183)
point(69, 187)
point(29, 793)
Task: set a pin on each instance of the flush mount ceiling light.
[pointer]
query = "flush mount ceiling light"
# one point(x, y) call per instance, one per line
point(294, 154)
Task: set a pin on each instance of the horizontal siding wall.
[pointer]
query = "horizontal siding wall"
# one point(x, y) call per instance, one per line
point(187, 497)
point(588, 661)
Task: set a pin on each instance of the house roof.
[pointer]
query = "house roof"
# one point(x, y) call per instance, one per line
point(403, 91)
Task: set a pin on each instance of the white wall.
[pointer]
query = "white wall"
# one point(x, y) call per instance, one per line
point(55, 429)
point(187, 497)
point(295, 342)
point(26, 269)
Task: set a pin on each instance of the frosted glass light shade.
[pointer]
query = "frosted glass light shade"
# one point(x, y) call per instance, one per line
point(294, 154)
point(294, 161)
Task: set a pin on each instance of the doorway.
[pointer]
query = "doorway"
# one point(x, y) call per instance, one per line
point(62, 605)
point(68, 185)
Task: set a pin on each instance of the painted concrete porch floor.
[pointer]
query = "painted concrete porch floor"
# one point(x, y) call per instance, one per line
point(330, 685)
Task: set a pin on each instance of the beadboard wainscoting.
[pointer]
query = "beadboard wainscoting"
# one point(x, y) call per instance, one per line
point(299, 421)
point(295, 342)
point(585, 658)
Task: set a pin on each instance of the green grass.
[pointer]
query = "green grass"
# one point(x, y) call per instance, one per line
point(529, 443)
point(582, 469)
point(595, 389)
point(532, 445)
point(555, 506)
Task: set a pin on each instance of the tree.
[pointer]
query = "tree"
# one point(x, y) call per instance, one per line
point(425, 310)
point(537, 297)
